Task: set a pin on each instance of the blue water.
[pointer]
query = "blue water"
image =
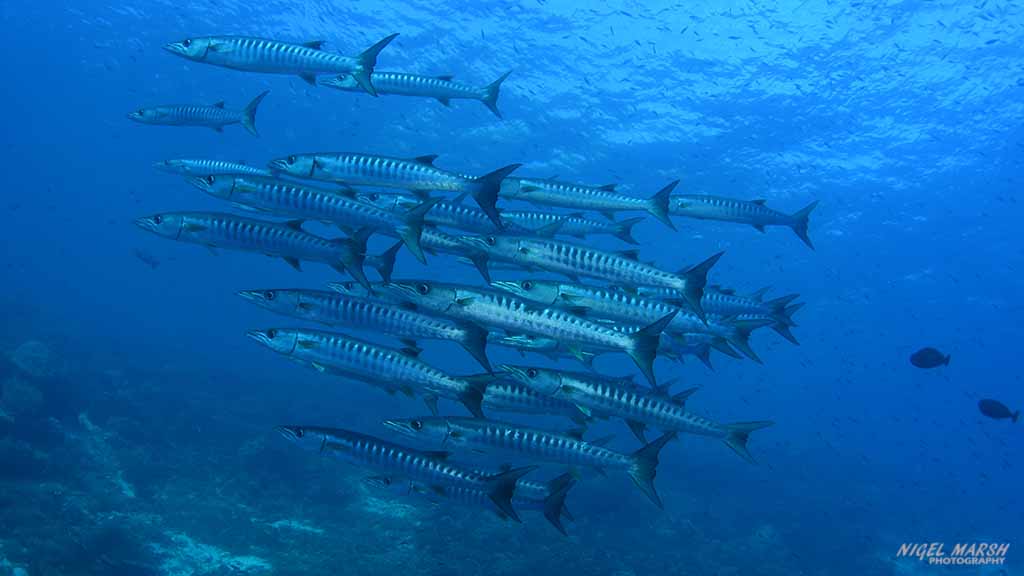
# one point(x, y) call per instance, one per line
point(141, 440)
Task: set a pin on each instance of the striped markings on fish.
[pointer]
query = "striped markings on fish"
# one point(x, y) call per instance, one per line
point(574, 260)
point(334, 309)
point(203, 167)
point(305, 60)
point(442, 88)
point(298, 201)
point(639, 407)
point(393, 370)
point(417, 174)
point(429, 468)
point(753, 212)
point(215, 116)
point(603, 199)
point(498, 310)
point(487, 435)
point(285, 240)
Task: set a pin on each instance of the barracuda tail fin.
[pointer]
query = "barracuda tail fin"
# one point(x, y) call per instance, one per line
point(645, 345)
point(248, 118)
point(367, 61)
point(353, 256)
point(645, 467)
point(703, 353)
point(657, 205)
point(485, 192)
point(784, 331)
point(1016, 416)
point(554, 504)
point(412, 228)
point(739, 335)
point(474, 340)
point(473, 397)
point(722, 345)
point(384, 264)
point(624, 230)
point(490, 94)
point(799, 223)
point(779, 309)
point(502, 486)
point(696, 278)
point(738, 434)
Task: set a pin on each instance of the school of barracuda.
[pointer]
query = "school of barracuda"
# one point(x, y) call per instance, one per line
point(627, 306)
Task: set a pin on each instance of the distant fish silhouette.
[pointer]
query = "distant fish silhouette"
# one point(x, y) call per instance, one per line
point(997, 410)
point(929, 358)
point(147, 259)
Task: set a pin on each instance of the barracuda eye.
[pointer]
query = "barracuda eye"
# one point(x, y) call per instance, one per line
point(387, 481)
point(416, 425)
point(290, 160)
point(210, 179)
point(269, 295)
point(491, 241)
point(347, 285)
point(531, 372)
point(299, 432)
point(158, 219)
point(186, 43)
point(526, 285)
point(375, 196)
point(271, 333)
point(423, 289)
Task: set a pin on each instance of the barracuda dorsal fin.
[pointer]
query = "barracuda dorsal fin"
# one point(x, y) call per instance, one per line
point(760, 294)
point(681, 397)
point(218, 104)
point(427, 160)
point(602, 441)
point(630, 254)
point(576, 433)
point(437, 454)
point(314, 44)
point(295, 225)
point(608, 187)
point(445, 77)
point(759, 201)
point(411, 352)
point(293, 262)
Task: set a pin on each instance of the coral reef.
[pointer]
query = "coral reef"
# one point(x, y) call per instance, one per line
point(186, 557)
point(35, 359)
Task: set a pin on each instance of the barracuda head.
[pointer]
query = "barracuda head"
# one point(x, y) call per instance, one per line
point(540, 380)
point(278, 340)
point(219, 186)
point(191, 48)
point(286, 302)
point(432, 430)
point(528, 342)
point(310, 438)
point(300, 165)
point(351, 288)
point(425, 295)
point(147, 115)
point(342, 82)
point(504, 247)
point(543, 292)
point(389, 202)
point(173, 166)
point(166, 225)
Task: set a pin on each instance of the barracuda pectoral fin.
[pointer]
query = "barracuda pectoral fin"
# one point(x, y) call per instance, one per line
point(465, 301)
point(638, 429)
point(585, 410)
point(502, 486)
point(309, 78)
point(293, 262)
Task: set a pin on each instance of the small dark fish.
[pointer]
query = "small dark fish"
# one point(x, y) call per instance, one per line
point(996, 409)
point(147, 258)
point(929, 358)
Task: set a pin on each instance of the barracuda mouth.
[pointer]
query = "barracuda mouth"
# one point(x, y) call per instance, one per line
point(278, 165)
point(290, 433)
point(199, 182)
point(252, 296)
point(507, 286)
point(473, 242)
point(515, 372)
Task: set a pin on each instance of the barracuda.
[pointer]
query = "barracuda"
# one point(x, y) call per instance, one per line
point(271, 56)
point(333, 353)
point(203, 167)
point(548, 498)
point(443, 88)
point(296, 201)
point(428, 468)
point(635, 310)
point(416, 174)
point(215, 116)
point(575, 225)
point(361, 314)
point(637, 406)
point(602, 199)
point(498, 310)
point(753, 212)
point(574, 260)
point(520, 441)
point(288, 241)
point(506, 395)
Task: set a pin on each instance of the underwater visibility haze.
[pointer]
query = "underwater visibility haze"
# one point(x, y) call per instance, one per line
point(533, 287)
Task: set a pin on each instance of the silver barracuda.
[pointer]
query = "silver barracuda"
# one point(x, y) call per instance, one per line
point(498, 310)
point(416, 174)
point(288, 240)
point(427, 468)
point(305, 60)
point(442, 88)
point(296, 201)
point(520, 441)
point(753, 212)
point(357, 313)
point(333, 353)
point(602, 199)
point(639, 407)
point(574, 260)
point(203, 167)
point(548, 497)
point(215, 116)
point(575, 225)
point(635, 310)
point(506, 395)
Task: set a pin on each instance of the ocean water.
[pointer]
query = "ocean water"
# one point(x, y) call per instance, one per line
point(136, 432)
